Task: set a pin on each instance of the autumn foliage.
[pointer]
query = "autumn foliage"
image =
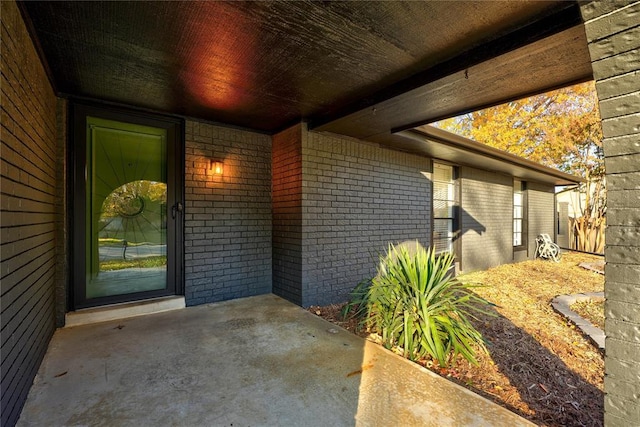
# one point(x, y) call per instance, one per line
point(559, 129)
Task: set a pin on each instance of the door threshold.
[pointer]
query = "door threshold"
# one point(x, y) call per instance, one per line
point(123, 310)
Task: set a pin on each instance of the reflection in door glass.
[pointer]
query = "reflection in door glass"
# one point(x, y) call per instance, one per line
point(132, 236)
point(126, 201)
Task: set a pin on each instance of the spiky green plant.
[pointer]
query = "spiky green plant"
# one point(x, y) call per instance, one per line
point(415, 303)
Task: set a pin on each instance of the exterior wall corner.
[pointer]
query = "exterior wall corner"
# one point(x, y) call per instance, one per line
point(610, 27)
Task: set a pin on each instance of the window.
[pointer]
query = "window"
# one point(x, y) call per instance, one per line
point(444, 207)
point(519, 217)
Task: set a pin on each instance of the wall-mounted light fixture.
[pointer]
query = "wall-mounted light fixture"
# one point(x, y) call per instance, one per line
point(216, 167)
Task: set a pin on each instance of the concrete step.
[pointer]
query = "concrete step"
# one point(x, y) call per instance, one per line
point(123, 310)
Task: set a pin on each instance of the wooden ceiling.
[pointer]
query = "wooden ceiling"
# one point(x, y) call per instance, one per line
point(358, 68)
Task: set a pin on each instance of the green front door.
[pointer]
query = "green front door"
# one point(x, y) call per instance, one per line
point(127, 207)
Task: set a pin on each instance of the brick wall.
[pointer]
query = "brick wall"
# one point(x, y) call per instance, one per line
point(612, 30)
point(28, 195)
point(356, 199)
point(228, 217)
point(62, 222)
point(541, 213)
point(287, 214)
point(487, 218)
point(486, 201)
point(562, 237)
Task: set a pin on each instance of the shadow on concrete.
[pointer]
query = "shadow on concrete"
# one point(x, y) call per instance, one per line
point(251, 362)
point(542, 379)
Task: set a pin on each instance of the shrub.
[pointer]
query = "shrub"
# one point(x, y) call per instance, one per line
point(415, 303)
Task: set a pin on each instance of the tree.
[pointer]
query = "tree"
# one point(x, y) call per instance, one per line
point(559, 129)
point(129, 198)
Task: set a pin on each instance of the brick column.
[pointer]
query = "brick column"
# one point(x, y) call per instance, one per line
point(286, 194)
point(613, 33)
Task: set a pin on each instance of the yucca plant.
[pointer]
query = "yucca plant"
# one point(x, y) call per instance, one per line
point(416, 304)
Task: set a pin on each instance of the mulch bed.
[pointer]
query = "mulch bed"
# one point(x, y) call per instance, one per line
point(540, 366)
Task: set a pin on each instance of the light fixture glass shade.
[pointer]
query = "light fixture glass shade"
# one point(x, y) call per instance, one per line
point(216, 167)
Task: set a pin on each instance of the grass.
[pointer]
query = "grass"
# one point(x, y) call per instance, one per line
point(121, 264)
point(109, 241)
point(115, 242)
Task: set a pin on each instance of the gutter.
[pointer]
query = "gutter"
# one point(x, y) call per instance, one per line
point(430, 133)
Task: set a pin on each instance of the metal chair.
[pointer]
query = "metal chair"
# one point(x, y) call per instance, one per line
point(546, 248)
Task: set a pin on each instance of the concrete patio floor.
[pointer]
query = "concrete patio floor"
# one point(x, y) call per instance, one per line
point(249, 362)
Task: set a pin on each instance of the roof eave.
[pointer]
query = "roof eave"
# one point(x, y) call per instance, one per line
point(439, 136)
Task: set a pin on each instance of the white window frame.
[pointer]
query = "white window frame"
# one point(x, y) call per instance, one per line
point(450, 202)
point(519, 229)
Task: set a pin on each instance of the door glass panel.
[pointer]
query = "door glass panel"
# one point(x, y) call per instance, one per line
point(126, 208)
